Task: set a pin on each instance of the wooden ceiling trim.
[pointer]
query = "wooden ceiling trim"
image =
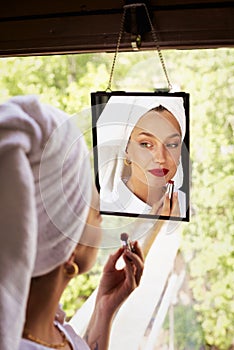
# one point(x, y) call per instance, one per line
point(180, 26)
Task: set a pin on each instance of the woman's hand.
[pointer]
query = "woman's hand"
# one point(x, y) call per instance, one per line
point(114, 288)
point(165, 208)
point(168, 209)
point(116, 285)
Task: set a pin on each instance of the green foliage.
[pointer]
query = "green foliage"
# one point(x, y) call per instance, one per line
point(188, 334)
point(63, 81)
point(79, 289)
point(208, 75)
point(208, 239)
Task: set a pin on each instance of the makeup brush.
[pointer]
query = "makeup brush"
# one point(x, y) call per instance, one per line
point(124, 237)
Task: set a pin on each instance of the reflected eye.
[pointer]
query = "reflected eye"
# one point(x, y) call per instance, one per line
point(146, 145)
point(172, 145)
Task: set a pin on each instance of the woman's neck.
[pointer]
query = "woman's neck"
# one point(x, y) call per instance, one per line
point(149, 195)
point(44, 296)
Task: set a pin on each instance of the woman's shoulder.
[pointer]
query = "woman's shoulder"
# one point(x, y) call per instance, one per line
point(26, 344)
point(78, 343)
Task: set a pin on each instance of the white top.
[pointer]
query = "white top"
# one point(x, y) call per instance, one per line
point(123, 200)
point(76, 341)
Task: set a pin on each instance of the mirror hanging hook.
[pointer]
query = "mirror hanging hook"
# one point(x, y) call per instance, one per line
point(136, 44)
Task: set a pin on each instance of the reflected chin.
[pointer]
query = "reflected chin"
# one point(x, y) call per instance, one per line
point(155, 181)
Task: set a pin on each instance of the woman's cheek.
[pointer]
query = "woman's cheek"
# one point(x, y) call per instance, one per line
point(143, 158)
point(174, 155)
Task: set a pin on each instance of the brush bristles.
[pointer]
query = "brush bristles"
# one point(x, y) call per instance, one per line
point(124, 237)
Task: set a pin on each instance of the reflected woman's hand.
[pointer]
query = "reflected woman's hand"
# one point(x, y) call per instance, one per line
point(165, 208)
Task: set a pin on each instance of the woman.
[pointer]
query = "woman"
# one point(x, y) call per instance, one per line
point(50, 231)
point(136, 166)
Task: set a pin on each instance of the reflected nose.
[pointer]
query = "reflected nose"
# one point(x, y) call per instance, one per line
point(159, 153)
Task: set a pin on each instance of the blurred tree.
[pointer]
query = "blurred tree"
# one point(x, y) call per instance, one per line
point(79, 289)
point(188, 334)
point(208, 239)
point(208, 75)
point(64, 81)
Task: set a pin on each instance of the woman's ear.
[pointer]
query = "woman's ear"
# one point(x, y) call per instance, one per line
point(126, 149)
point(72, 257)
point(127, 161)
point(70, 267)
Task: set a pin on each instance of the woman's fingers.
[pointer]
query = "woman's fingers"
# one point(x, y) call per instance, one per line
point(112, 260)
point(170, 208)
point(166, 210)
point(138, 250)
point(130, 271)
point(175, 210)
point(134, 264)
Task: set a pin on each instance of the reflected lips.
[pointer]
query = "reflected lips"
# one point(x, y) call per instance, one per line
point(159, 172)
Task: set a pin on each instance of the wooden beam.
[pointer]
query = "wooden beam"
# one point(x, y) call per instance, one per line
point(75, 29)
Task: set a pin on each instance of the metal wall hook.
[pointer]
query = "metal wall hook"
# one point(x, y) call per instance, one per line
point(136, 42)
point(135, 28)
point(137, 22)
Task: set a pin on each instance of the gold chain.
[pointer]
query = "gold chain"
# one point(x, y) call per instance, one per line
point(155, 38)
point(117, 50)
point(29, 336)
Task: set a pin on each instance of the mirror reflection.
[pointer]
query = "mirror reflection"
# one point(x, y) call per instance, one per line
point(141, 154)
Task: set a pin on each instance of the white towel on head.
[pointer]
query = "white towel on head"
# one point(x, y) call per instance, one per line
point(44, 201)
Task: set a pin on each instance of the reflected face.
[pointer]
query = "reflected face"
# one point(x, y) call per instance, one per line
point(154, 148)
point(87, 249)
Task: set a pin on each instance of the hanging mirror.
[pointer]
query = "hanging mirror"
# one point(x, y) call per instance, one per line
point(141, 153)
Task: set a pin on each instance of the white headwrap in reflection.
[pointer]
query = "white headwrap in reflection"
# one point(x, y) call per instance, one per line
point(114, 128)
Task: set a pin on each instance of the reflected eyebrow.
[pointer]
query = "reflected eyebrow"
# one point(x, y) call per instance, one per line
point(174, 135)
point(146, 134)
point(151, 135)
